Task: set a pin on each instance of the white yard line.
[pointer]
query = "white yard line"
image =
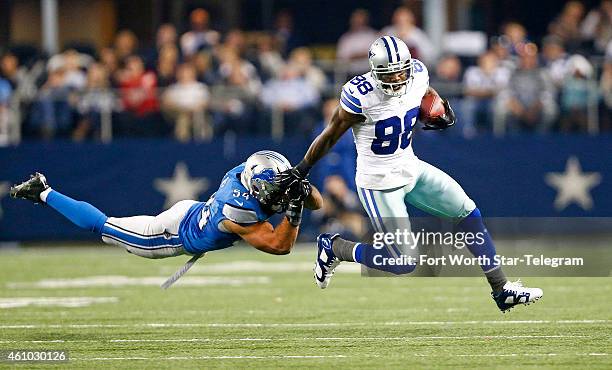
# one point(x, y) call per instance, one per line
point(403, 338)
point(122, 281)
point(443, 337)
point(208, 357)
point(305, 325)
point(18, 302)
point(510, 354)
point(265, 267)
point(287, 357)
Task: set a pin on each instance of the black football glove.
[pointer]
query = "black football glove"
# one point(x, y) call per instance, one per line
point(270, 195)
point(299, 191)
point(290, 178)
point(444, 121)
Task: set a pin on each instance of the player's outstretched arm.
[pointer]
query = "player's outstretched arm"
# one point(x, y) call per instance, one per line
point(340, 122)
point(314, 200)
point(265, 237)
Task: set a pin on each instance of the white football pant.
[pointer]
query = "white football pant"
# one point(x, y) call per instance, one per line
point(149, 236)
point(434, 192)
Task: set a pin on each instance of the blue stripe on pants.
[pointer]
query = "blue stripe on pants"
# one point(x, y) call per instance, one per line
point(155, 242)
point(369, 210)
point(382, 225)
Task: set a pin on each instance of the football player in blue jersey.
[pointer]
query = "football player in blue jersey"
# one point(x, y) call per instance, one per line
point(240, 209)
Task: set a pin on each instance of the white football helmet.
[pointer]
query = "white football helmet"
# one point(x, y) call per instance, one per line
point(388, 55)
point(258, 175)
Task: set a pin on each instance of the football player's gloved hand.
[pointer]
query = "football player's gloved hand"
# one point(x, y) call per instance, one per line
point(270, 195)
point(444, 121)
point(300, 190)
point(294, 212)
point(289, 178)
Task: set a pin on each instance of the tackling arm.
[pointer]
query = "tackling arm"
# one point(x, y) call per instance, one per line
point(265, 237)
point(314, 200)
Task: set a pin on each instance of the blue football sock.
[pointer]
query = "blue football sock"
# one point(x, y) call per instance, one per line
point(82, 214)
point(358, 253)
point(378, 259)
point(483, 246)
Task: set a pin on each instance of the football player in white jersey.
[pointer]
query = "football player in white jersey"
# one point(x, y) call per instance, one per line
point(382, 107)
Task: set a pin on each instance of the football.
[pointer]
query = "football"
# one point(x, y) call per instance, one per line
point(431, 106)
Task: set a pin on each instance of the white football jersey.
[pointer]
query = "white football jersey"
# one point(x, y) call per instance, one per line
point(385, 159)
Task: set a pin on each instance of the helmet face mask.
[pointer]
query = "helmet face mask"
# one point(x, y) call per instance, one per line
point(389, 57)
point(265, 191)
point(258, 176)
point(386, 81)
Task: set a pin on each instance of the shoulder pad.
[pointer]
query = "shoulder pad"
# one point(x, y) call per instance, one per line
point(356, 93)
point(349, 101)
point(421, 74)
point(239, 215)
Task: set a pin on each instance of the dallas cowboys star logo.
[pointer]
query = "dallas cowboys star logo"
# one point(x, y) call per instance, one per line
point(370, 54)
point(573, 185)
point(180, 186)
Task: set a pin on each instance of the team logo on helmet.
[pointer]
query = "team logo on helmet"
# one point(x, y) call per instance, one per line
point(258, 176)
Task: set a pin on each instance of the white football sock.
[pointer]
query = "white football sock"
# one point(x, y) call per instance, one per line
point(44, 194)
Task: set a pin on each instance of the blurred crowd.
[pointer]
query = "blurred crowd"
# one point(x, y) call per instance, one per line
point(203, 83)
point(560, 84)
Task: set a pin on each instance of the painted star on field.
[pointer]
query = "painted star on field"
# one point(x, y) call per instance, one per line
point(573, 185)
point(180, 186)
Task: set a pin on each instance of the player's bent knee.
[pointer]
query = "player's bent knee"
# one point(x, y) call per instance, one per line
point(147, 253)
point(475, 212)
point(468, 208)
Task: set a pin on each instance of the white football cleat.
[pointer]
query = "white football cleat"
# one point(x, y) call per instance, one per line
point(514, 293)
point(326, 261)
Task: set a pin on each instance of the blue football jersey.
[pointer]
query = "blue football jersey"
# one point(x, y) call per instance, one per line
point(201, 229)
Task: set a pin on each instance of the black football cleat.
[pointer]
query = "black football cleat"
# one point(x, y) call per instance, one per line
point(31, 189)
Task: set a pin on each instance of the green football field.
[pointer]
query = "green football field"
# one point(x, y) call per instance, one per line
point(241, 308)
